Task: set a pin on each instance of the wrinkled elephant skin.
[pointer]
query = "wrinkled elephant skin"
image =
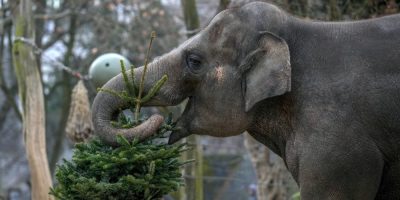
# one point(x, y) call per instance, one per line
point(325, 96)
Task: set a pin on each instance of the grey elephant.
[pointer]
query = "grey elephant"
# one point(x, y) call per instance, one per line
point(325, 96)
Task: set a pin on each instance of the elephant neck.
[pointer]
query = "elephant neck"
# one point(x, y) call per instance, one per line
point(272, 123)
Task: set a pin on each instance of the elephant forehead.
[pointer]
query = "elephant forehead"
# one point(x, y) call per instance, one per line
point(214, 31)
point(191, 42)
point(229, 34)
point(227, 45)
point(223, 23)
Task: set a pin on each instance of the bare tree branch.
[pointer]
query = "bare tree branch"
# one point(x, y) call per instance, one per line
point(4, 110)
point(6, 21)
point(3, 86)
point(54, 88)
point(56, 36)
point(10, 99)
point(53, 16)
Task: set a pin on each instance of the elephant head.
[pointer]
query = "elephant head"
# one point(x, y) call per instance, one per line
point(236, 61)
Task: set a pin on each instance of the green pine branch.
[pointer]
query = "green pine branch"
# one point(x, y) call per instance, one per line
point(135, 100)
point(133, 170)
point(146, 62)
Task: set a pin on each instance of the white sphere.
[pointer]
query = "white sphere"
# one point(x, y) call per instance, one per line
point(106, 67)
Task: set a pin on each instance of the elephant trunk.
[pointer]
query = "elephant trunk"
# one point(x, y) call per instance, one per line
point(106, 107)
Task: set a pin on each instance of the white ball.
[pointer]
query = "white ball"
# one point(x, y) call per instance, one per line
point(106, 67)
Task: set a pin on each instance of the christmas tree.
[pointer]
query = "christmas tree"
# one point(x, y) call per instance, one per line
point(134, 169)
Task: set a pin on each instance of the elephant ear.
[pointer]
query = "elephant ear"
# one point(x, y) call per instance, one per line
point(267, 71)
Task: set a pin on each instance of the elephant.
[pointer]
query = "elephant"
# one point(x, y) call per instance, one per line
point(324, 96)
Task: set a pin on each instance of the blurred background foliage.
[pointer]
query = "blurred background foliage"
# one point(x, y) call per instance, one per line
point(74, 33)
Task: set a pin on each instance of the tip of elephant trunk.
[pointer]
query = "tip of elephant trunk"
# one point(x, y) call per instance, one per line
point(108, 134)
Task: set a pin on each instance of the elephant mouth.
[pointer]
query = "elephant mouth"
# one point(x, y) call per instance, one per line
point(183, 123)
point(155, 101)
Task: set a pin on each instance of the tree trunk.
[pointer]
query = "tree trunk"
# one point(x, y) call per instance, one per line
point(270, 173)
point(31, 96)
point(7, 90)
point(334, 12)
point(223, 4)
point(190, 16)
point(67, 89)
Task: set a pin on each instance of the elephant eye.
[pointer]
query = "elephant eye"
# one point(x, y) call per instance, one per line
point(193, 62)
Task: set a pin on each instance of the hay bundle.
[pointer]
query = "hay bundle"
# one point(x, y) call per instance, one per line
point(79, 125)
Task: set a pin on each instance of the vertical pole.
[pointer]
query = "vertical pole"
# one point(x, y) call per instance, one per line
point(194, 188)
point(199, 170)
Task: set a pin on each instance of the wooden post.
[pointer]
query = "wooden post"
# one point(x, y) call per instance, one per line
point(199, 195)
point(194, 188)
point(32, 100)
